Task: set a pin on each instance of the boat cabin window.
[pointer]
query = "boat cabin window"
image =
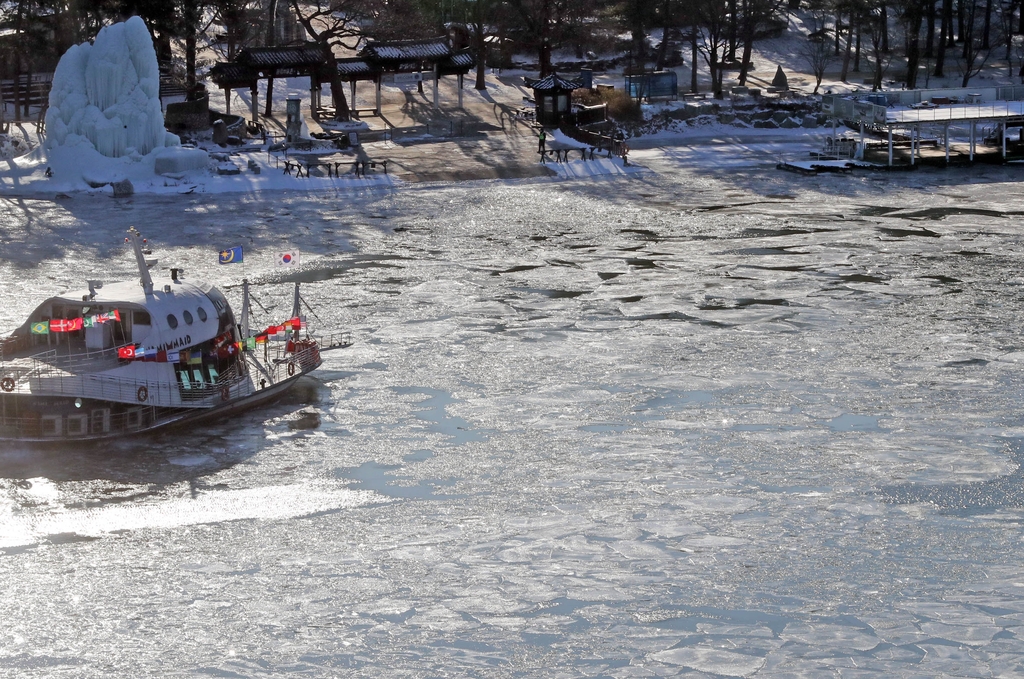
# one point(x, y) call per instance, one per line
point(172, 321)
point(202, 314)
point(187, 316)
point(142, 318)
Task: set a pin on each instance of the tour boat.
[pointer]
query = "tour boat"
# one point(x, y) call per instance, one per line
point(132, 357)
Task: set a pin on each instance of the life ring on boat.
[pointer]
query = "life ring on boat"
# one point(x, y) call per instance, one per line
point(291, 369)
point(142, 394)
point(225, 393)
point(7, 384)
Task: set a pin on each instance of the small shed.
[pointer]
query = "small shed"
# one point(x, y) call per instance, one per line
point(553, 97)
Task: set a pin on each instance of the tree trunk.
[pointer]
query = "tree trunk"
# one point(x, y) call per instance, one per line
point(885, 28)
point(930, 35)
point(960, 11)
point(846, 55)
point(748, 41)
point(988, 25)
point(856, 51)
point(733, 28)
point(913, 47)
point(693, 59)
point(940, 57)
point(341, 109)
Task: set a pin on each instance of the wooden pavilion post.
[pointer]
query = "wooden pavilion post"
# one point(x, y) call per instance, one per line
point(227, 100)
point(890, 145)
point(436, 78)
point(254, 92)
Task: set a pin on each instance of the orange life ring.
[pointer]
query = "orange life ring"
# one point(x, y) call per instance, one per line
point(7, 384)
point(291, 369)
point(225, 393)
point(142, 394)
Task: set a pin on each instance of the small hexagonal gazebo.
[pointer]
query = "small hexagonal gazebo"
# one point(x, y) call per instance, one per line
point(553, 97)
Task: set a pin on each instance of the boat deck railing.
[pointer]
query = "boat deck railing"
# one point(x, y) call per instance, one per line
point(42, 379)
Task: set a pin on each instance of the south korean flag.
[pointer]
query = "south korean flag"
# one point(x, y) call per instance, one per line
point(289, 258)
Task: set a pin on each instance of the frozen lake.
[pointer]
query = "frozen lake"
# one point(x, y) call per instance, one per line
point(697, 423)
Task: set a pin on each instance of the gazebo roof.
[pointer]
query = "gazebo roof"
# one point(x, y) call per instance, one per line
point(231, 74)
point(289, 56)
point(433, 49)
point(553, 83)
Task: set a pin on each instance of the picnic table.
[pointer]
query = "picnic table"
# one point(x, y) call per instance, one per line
point(334, 164)
point(559, 152)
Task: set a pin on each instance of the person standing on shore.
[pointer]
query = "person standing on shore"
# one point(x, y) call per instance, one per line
point(542, 141)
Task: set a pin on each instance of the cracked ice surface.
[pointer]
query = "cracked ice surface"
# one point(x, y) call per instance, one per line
point(690, 424)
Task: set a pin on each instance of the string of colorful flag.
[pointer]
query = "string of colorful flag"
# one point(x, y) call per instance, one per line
point(73, 324)
point(223, 349)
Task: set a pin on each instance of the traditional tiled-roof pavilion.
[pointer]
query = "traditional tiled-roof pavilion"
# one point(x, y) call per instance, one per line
point(377, 62)
point(553, 96)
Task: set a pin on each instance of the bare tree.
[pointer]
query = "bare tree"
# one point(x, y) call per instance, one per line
point(713, 18)
point(972, 57)
point(817, 52)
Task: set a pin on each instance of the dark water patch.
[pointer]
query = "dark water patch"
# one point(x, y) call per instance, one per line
point(564, 262)
point(646, 233)
point(433, 410)
point(877, 211)
point(517, 268)
point(538, 238)
point(69, 538)
point(419, 455)
point(970, 253)
point(694, 616)
point(947, 280)
point(676, 400)
point(554, 294)
point(850, 422)
point(608, 275)
point(716, 208)
point(378, 478)
point(606, 428)
point(639, 263)
point(678, 316)
point(907, 233)
point(782, 250)
point(582, 246)
point(742, 303)
point(630, 300)
point(937, 213)
point(788, 267)
point(966, 498)
point(966, 363)
point(775, 233)
point(863, 278)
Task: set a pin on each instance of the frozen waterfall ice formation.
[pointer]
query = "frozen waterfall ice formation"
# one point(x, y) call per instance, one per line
point(107, 94)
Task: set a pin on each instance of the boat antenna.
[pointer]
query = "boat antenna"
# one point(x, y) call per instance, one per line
point(145, 280)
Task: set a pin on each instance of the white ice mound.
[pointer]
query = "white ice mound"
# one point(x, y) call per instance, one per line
point(179, 160)
point(109, 94)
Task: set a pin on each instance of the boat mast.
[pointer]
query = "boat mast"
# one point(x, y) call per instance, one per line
point(295, 302)
point(145, 280)
point(245, 309)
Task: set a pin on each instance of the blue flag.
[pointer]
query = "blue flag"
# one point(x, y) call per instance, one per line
point(231, 255)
